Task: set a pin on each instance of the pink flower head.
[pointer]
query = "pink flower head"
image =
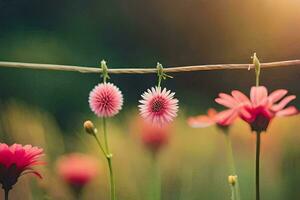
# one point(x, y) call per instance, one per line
point(17, 160)
point(106, 100)
point(158, 106)
point(223, 119)
point(261, 108)
point(77, 169)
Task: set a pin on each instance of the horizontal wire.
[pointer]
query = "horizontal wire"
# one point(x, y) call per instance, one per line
point(85, 69)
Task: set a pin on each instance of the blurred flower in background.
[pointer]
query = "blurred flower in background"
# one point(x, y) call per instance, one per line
point(153, 138)
point(77, 170)
point(222, 119)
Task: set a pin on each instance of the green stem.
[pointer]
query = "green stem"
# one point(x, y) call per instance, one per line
point(233, 192)
point(257, 159)
point(232, 169)
point(230, 155)
point(112, 179)
point(156, 184)
point(6, 194)
point(109, 161)
point(159, 81)
point(105, 134)
point(99, 144)
point(77, 193)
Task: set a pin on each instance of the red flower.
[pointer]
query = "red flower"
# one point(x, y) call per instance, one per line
point(77, 169)
point(154, 137)
point(261, 108)
point(17, 160)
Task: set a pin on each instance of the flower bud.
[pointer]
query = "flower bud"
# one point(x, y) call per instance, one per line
point(232, 180)
point(89, 127)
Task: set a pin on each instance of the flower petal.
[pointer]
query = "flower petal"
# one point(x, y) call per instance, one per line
point(239, 96)
point(245, 114)
point(226, 100)
point(258, 95)
point(200, 121)
point(283, 103)
point(226, 117)
point(291, 110)
point(277, 95)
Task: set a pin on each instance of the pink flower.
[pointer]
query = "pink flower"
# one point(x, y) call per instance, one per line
point(261, 108)
point(222, 119)
point(17, 160)
point(106, 100)
point(77, 169)
point(158, 106)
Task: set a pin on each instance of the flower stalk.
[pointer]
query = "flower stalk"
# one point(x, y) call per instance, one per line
point(235, 188)
point(156, 180)
point(91, 130)
point(257, 154)
point(6, 191)
point(257, 66)
point(104, 68)
point(109, 161)
point(257, 163)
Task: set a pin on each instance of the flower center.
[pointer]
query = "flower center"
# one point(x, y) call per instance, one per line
point(105, 101)
point(157, 105)
point(261, 120)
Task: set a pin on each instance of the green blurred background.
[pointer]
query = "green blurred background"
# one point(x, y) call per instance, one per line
point(47, 108)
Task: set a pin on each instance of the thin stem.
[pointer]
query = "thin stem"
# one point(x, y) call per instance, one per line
point(112, 179)
point(99, 144)
point(233, 192)
point(77, 193)
point(159, 81)
point(156, 184)
point(257, 159)
point(109, 161)
point(6, 194)
point(104, 70)
point(230, 155)
point(105, 134)
point(232, 169)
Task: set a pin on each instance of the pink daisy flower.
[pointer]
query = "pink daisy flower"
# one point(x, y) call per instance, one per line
point(261, 108)
point(17, 160)
point(158, 106)
point(222, 119)
point(106, 100)
point(77, 169)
